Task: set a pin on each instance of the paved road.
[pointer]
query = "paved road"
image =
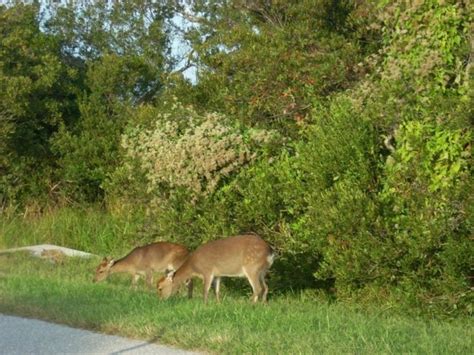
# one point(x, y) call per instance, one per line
point(31, 336)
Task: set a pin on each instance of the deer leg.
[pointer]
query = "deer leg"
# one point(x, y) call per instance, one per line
point(255, 283)
point(135, 278)
point(265, 287)
point(149, 278)
point(217, 286)
point(190, 286)
point(207, 286)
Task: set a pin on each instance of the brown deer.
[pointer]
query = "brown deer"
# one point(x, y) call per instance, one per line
point(144, 260)
point(240, 256)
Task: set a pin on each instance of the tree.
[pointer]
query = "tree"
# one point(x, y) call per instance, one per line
point(37, 95)
point(264, 62)
point(123, 50)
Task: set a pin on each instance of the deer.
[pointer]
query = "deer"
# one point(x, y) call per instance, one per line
point(143, 261)
point(238, 256)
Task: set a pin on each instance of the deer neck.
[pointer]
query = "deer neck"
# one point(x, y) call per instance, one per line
point(119, 266)
point(184, 273)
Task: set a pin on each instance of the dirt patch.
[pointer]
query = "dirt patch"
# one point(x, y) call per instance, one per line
point(54, 253)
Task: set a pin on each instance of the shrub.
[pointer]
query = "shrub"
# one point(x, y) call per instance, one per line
point(186, 150)
point(416, 104)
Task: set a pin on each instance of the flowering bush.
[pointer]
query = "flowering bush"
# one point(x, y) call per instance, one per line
point(184, 149)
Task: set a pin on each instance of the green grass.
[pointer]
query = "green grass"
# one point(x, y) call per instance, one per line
point(87, 229)
point(64, 293)
point(301, 323)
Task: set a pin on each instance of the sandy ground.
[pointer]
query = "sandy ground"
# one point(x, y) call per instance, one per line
point(42, 249)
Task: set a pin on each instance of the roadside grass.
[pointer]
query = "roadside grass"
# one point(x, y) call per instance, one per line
point(64, 293)
point(88, 229)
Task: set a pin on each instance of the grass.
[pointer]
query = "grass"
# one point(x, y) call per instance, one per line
point(64, 293)
point(88, 229)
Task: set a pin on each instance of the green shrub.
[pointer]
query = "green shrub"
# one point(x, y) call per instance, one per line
point(415, 247)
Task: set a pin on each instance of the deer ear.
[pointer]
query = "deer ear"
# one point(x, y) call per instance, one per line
point(104, 261)
point(170, 275)
point(110, 262)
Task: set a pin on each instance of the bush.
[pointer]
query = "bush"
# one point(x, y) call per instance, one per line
point(186, 151)
point(412, 212)
point(176, 161)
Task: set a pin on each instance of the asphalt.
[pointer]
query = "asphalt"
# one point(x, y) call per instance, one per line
point(31, 336)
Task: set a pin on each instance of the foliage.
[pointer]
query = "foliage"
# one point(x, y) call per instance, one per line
point(190, 151)
point(37, 95)
point(418, 103)
point(88, 151)
point(264, 62)
point(121, 47)
point(125, 28)
point(366, 191)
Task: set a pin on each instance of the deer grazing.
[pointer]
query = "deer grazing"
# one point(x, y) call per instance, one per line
point(239, 256)
point(144, 260)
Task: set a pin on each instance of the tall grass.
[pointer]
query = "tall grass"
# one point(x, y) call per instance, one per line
point(64, 293)
point(88, 229)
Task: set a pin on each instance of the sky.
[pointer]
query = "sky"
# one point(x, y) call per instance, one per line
point(179, 47)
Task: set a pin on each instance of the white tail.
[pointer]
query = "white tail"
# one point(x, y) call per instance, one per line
point(240, 256)
point(144, 260)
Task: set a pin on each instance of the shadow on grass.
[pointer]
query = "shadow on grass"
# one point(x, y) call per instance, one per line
point(290, 274)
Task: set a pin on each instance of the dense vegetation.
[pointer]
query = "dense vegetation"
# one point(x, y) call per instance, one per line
point(341, 131)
